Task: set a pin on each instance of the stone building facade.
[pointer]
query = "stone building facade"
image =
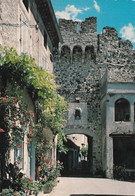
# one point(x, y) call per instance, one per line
point(30, 27)
point(96, 74)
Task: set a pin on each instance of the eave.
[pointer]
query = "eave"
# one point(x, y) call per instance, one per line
point(48, 16)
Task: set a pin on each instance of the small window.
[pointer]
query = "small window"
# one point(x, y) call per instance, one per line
point(122, 110)
point(77, 114)
point(26, 3)
point(45, 39)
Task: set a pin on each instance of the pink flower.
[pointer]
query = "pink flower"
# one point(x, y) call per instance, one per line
point(45, 177)
point(50, 162)
point(21, 145)
point(1, 130)
point(6, 101)
point(45, 159)
point(19, 161)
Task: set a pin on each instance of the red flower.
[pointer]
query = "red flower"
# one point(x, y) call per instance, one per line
point(29, 112)
point(1, 130)
point(14, 123)
point(50, 162)
point(2, 97)
point(45, 159)
point(0, 93)
point(30, 180)
point(17, 146)
point(21, 145)
point(6, 101)
point(6, 117)
point(30, 128)
point(31, 135)
point(19, 161)
point(14, 97)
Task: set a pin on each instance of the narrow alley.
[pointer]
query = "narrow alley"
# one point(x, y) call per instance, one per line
point(92, 187)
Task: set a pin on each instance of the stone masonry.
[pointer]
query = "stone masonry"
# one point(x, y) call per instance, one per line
point(83, 59)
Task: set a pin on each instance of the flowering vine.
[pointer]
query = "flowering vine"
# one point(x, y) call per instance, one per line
point(16, 120)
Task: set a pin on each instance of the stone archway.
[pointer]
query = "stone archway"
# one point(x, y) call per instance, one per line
point(79, 160)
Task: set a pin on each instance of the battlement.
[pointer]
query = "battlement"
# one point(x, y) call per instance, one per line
point(87, 26)
point(110, 31)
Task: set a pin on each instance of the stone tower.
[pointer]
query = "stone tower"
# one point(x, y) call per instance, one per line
point(84, 65)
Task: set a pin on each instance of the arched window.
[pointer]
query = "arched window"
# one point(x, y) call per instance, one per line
point(65, 54)
point(77, 54)
point(122, 110)
point(89, 53)
point(77, 114)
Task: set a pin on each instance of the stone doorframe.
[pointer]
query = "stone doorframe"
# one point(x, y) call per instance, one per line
point(90, 143)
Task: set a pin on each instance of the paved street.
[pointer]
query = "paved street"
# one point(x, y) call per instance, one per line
point(91, 186)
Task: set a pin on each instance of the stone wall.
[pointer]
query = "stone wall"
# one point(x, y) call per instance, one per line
point(18, 29)
point(82, 60)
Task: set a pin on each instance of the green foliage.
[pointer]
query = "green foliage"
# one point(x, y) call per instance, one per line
point(84, 151)
point(21, 71)
point(61, 145)
point(14, 118)
point(49, 171)
point(7, 192)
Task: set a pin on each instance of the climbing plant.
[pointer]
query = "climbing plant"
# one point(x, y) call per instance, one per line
point(21, 71)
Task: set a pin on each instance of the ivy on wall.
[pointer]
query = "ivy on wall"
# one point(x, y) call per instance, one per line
point(21, 71)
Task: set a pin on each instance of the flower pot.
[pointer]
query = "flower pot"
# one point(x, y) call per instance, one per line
point(47, 189)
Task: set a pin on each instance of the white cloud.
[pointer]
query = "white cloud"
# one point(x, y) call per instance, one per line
point(70, 12)
point(86, 8)
point(96, 6)
point(128, 32)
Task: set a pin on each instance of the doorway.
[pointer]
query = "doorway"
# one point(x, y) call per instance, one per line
point(78, 160)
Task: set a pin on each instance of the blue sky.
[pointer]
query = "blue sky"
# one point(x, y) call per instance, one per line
point(119, 14)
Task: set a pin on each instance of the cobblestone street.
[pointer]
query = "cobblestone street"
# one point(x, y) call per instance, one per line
point(92, 186)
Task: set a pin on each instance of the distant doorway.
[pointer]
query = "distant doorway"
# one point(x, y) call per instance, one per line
point(78, 160)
